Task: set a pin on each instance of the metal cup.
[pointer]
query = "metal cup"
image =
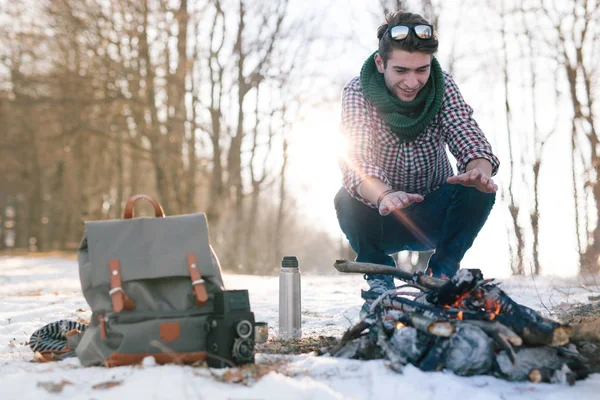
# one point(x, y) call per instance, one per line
point(261, 332)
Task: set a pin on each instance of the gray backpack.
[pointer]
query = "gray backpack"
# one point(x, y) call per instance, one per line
point(150, 283)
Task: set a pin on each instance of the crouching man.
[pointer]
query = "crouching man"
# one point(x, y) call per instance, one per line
point(399, 191)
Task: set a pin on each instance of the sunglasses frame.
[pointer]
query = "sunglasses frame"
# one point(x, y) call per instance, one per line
point(411, 27)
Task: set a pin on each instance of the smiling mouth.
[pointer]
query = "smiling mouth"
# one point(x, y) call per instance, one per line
point(413, 91)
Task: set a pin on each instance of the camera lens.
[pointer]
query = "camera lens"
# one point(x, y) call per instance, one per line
point(243, 349)
point(244, 329)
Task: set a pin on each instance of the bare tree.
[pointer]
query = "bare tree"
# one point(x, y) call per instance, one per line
point(519, 247)
point(577, 46)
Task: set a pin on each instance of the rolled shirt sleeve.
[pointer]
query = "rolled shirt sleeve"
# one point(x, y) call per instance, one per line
point(465, 139)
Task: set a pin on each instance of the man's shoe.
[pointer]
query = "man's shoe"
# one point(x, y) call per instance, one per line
point(376, 288)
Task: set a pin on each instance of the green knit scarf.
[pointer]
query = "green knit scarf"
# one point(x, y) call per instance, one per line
point(407, 119)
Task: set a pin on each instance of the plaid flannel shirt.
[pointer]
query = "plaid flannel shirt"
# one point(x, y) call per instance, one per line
point(420, 166)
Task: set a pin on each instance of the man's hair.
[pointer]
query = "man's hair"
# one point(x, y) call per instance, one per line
point(412, 43)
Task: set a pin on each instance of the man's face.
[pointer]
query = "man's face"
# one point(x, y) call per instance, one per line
point(406, 73)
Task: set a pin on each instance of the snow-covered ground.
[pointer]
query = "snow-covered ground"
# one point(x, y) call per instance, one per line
point(36, 291)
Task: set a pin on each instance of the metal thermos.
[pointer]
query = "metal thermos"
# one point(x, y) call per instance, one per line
point(290, 323)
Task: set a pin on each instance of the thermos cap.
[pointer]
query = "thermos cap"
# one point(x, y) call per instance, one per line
point(289, 262)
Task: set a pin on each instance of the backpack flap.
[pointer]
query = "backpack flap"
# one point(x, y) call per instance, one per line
point(142, 252)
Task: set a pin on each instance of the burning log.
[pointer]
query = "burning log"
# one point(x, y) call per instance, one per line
point(411, 306)
point(528, 323)
point(455, 289)
point(474, 299)
point(463, 325)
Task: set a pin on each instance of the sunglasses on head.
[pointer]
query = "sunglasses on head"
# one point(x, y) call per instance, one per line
point(400, 32)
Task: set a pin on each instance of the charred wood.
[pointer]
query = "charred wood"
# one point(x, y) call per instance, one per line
point(528, 323)
point(368, 348)
point(502, 335)
point(496, 328)
point(411, 343)
point(347, 350)
point(470, 352)
point(434, 359)
point(350, 335)
point(397, 362)
point(565, 364)
point(411, 306)
point(459, 324)
point(456, 288)
point(563, 375)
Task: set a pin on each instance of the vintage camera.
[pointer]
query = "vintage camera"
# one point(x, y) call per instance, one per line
point(230, 337)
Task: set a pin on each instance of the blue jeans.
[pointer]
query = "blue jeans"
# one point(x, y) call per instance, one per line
point(447, 220)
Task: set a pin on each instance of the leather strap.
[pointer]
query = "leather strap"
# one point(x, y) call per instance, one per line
point(128, 213)
point(102, 327)
point(197, 281)
point(119, 299)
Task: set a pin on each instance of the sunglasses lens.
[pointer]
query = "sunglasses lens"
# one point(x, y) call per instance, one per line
point(399, 32)
point(423, 31)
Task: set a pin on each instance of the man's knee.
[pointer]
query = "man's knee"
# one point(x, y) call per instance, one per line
point(362, 226)
point(477, 200)
point(352, 214)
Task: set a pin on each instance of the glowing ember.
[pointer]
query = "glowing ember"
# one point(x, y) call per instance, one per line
point(399, 325)
point(459, 303)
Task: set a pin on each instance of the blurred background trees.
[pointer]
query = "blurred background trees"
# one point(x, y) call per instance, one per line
point(188, 100)
point(195, 101)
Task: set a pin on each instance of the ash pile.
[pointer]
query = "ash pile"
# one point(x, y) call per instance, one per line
point(467, 325)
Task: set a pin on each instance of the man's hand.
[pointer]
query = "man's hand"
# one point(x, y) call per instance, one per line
point(478, 175)
point(397, 200)
point(475, 178)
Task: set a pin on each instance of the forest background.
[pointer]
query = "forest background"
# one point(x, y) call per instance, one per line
point(231, 107)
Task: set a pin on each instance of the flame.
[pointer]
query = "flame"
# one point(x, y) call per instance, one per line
point(497, 308)
point(430, 273)
point(492, 306)
point(399, 325)
point(459, 302)
point(459, 316)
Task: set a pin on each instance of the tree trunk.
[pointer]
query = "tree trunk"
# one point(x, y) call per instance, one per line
point(153, 133)
point(518, 267)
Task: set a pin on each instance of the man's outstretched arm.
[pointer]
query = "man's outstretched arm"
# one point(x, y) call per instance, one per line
point(478, 175)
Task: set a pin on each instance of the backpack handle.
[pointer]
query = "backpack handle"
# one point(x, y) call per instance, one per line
point(158, 210)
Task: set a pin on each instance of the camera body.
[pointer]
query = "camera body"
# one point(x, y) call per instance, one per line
point(230, 337)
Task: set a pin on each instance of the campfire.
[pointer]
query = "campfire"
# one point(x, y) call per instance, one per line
point(467, 325)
